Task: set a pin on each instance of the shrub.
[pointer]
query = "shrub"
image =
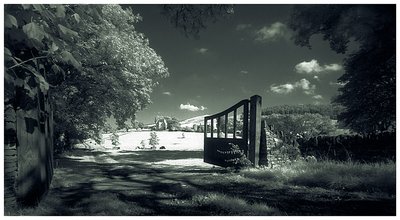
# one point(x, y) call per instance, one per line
point(114, 138)
point(143, 144)
point(240, 160)
point(153, 140)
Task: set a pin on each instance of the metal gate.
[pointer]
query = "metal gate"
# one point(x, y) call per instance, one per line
point(238, 125)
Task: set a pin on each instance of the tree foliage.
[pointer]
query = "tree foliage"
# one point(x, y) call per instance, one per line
point(332, 111)
point(92, 58)
point(369, 91)
point(173, 124)
point(190, 19)
point(301, 125)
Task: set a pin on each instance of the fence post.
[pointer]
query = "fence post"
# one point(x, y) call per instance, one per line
point(263, 146)
point(255, 129)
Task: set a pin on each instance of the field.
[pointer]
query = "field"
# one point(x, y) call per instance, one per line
point(107, 181)
point(181, 141)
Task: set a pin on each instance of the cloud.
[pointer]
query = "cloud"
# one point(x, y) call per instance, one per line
point(202, 50)
point(244, 72)
point(272, 32)
point(302, 84)
point(192, 108)
point(333, 67)
point(306, 86)
point(317, 97)
point(166, 93)
point(313, 67)
point(241, 27)
point(282, 89)
point(316, 77)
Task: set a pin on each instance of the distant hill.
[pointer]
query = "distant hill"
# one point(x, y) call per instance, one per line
point(192, 121)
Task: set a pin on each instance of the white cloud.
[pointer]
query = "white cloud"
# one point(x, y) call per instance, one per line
point(333, 67)
point(282, 89)
point(316, 77)
point(317, 97)
point(241, 27)
point(244, 72)
point(272, 32)
point(192, 108)
point(308, 67)
point(302, 84)
point(167, 93)
point(202, 50)
point(313, 67)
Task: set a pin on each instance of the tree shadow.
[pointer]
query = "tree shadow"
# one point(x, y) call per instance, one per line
point(137, 188)
point(155, 156)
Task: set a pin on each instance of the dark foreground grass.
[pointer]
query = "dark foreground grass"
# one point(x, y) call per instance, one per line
point(136, 187)
point(348, 176)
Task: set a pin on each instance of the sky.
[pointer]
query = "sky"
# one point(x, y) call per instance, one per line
point(247, 53)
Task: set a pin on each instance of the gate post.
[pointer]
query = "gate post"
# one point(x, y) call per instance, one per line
point(263, 146)
point(255, 129)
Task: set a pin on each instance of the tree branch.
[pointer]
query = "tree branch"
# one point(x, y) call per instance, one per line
point(34, 58)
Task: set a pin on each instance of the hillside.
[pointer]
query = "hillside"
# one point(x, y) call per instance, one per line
point(192, 121)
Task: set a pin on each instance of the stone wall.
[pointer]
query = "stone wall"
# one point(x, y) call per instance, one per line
point(28, 141)
point(279, 149)
point(10, 155)
point(368, 148)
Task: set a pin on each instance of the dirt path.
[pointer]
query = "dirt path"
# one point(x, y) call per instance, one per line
point(135, 181)
point(178, 183)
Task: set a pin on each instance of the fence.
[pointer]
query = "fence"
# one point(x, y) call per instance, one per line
point(28, 142)
point(238, 125)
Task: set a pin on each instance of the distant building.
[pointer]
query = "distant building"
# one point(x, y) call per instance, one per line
point(161, 124)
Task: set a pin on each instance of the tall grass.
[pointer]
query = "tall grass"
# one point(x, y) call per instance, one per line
point(349, 176)
point(222, 204)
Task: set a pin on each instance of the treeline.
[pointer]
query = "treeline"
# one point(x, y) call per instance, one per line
point(332, 111)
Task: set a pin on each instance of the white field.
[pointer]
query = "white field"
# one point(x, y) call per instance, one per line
point(130, 140)
point(189, 141)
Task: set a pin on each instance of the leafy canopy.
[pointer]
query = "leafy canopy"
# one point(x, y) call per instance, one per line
point(91, 57)
point(368, 95)
point(301, 125)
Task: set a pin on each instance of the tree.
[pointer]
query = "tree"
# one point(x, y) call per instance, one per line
point(368, 95)
point(173, 123)
point(114, 138)
point(92, 58)
point(190, 19)
point(154, 140)
point(326, 110)
point(303, 125)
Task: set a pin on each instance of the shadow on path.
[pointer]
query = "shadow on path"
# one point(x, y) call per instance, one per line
point(134, 184)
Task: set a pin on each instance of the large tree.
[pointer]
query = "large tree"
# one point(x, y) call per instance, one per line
point(91, 56)
point(368, 94)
